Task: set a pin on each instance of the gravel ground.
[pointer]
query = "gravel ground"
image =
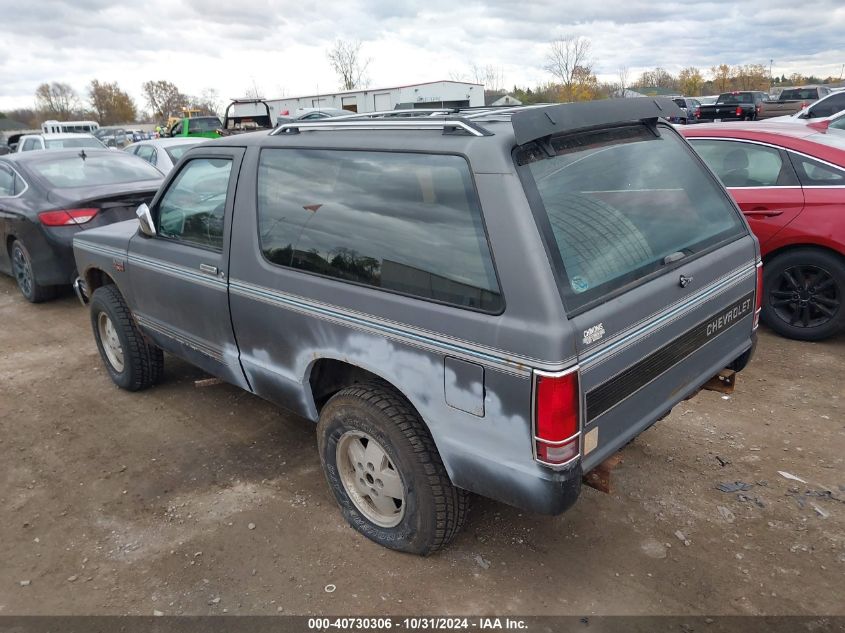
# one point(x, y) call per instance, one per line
point(186, 500)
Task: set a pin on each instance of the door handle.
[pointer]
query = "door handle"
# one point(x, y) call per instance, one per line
point(764, 211)
point(208, 269)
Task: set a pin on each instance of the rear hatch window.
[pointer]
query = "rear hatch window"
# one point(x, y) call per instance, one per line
point(619, 205)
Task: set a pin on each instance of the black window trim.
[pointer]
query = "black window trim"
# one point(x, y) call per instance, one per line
point(553, 253)
point(782, 152)
point(359, 284)
point(230, 196)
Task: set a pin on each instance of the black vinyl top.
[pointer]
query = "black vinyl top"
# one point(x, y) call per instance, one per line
point(533, 123)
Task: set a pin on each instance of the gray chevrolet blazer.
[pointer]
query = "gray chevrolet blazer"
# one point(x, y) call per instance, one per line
point(490, 301)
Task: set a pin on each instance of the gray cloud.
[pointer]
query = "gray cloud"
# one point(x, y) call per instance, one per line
point(281, 45)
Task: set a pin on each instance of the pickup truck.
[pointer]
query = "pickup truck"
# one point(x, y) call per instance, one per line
point(792, 100)
point(732, 106)
point(343, 271)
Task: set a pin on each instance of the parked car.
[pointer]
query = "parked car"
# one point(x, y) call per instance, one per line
point(196, 127)
point(48, 197)
point(312, 114)
point(739, 105)
point(689, 109)
point(117, 137)
point(163, 153)
point(791, 101)
point(33, 142)
point(375, 281)
point(789, 182)
point(820, 110)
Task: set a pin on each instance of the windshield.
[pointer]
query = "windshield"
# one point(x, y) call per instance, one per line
point(68, 143)
point(619, 204)
point(740, 97)
point(177, 151)
point(204, 124)
point(802, 93)
point(72, 170)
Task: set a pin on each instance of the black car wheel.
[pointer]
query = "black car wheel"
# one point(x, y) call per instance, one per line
point(25, 276)
point(803, 294)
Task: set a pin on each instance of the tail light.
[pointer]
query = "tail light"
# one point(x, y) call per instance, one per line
point(556, 417)
point(758, 306)
point(66, 217)
point(739, 110)
point(759, 108)
point(698, 113)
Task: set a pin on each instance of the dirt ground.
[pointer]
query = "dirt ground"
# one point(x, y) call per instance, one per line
point(186, 500)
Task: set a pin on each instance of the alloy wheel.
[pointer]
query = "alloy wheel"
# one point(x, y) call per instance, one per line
point(370, 479)
point(805, 296)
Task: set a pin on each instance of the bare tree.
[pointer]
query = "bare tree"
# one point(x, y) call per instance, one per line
point(254, 91)
point(622, 76)
point(164, 98)
point(568, 59)
point(490, 76)
point(346, 60)
point(110, 103)
point(57, 100)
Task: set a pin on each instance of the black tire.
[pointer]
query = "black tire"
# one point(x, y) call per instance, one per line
point(24, 275)
point(803, 294)
point(434, 510)
point(143, 362)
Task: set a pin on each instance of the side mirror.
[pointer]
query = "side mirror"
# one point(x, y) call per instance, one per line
point(145, 220)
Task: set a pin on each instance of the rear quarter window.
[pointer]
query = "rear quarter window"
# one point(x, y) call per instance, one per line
point(616, 204)
point(404, 222)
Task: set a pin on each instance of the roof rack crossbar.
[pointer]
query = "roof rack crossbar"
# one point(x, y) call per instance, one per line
point(449, 125)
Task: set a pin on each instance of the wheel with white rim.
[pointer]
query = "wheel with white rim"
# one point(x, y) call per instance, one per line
point(24, 275)
point(385, 472)
point(133, 363)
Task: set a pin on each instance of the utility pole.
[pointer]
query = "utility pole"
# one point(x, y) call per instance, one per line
point(770, 73)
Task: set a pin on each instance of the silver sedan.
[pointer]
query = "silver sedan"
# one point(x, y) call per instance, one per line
point(163, 153)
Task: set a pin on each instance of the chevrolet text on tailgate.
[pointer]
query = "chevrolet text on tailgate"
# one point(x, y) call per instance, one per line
point(489, 300)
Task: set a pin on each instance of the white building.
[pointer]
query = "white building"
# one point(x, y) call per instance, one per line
point(433, 94)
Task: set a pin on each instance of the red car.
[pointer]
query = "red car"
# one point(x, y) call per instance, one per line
point(789, 181)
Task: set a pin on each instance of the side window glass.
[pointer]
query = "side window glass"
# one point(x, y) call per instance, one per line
point(409, 223)
point(812, 173)
point(29, 145)
point(7, 181)
point(148, 153)
point(193, 207)
point(744, 164)
point(177, 129)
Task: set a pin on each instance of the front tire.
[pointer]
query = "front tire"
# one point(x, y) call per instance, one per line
point(24, 275)
point(133, 363)
point(803, 293)
point(385, 472)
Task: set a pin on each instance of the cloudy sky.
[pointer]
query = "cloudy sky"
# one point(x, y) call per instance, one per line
point(280, 47)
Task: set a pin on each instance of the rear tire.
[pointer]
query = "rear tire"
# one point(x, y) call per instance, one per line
point(24, 275)
point(133, 363)
point(373, 443)
point(803, 294)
